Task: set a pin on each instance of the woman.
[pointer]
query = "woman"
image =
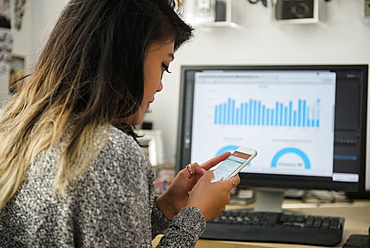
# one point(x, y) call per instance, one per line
point(71, 173)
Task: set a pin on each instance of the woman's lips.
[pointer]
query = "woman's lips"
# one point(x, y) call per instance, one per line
point(148, 105)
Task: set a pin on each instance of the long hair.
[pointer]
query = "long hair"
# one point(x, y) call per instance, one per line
point(89, 74)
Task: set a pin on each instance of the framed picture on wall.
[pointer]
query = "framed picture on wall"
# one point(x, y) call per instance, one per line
point(16, 73)
point(164, 175)
point(5, 14)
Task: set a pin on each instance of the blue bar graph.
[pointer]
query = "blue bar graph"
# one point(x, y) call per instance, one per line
point(254, 113)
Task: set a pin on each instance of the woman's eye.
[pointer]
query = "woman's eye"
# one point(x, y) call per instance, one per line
point(165, 68)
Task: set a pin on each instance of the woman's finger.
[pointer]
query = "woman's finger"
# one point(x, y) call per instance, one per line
point(214, 161)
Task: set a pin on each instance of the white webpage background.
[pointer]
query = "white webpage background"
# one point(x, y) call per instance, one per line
point(214, 88)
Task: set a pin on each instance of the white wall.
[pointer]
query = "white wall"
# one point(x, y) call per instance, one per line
point(23, 38)
point(342, 38)
point(44, 15)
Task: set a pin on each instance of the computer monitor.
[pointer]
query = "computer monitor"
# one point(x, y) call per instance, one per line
point(307, 122)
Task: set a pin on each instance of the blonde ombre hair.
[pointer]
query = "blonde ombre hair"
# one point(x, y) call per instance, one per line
point(88, 77)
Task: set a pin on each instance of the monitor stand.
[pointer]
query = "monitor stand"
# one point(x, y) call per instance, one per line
point(269, 200)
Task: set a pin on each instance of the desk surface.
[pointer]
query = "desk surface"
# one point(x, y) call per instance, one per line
point(356, 214)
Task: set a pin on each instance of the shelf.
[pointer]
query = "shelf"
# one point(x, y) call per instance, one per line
point(215, 13)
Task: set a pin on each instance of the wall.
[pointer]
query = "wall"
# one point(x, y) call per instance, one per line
point(44, 16)
point(342, 38)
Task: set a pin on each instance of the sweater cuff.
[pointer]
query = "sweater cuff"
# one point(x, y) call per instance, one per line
point(159, 221)
point(190, 220)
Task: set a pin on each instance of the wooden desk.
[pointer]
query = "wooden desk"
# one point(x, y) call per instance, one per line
point(357, 221)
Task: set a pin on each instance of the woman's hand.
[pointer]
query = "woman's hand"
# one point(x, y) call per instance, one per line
point(211, 198)
point(177, 195)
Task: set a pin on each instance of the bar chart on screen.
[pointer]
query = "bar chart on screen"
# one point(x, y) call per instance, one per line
point(255, 113)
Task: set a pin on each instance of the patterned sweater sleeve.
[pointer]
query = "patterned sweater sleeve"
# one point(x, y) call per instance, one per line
point(184, 229)
point(159, 222)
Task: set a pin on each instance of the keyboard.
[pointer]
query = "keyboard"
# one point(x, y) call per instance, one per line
point(286, 227)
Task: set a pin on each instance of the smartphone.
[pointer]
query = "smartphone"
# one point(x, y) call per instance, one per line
point(234, 163)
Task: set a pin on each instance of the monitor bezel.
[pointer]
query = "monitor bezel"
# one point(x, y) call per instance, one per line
point(283, 181)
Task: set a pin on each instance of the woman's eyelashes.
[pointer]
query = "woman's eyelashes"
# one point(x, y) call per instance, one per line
point(165, 68)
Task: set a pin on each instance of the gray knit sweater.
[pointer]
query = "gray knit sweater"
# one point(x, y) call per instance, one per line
point(112, 205)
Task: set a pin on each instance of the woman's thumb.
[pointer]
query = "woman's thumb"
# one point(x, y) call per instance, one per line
point(209, 176)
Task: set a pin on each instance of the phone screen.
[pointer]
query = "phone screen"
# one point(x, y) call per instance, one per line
point(229, 166)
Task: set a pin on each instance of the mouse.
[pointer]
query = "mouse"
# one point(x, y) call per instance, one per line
point(358, 241)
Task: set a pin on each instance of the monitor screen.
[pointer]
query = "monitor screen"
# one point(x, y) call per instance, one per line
point(307, 122)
